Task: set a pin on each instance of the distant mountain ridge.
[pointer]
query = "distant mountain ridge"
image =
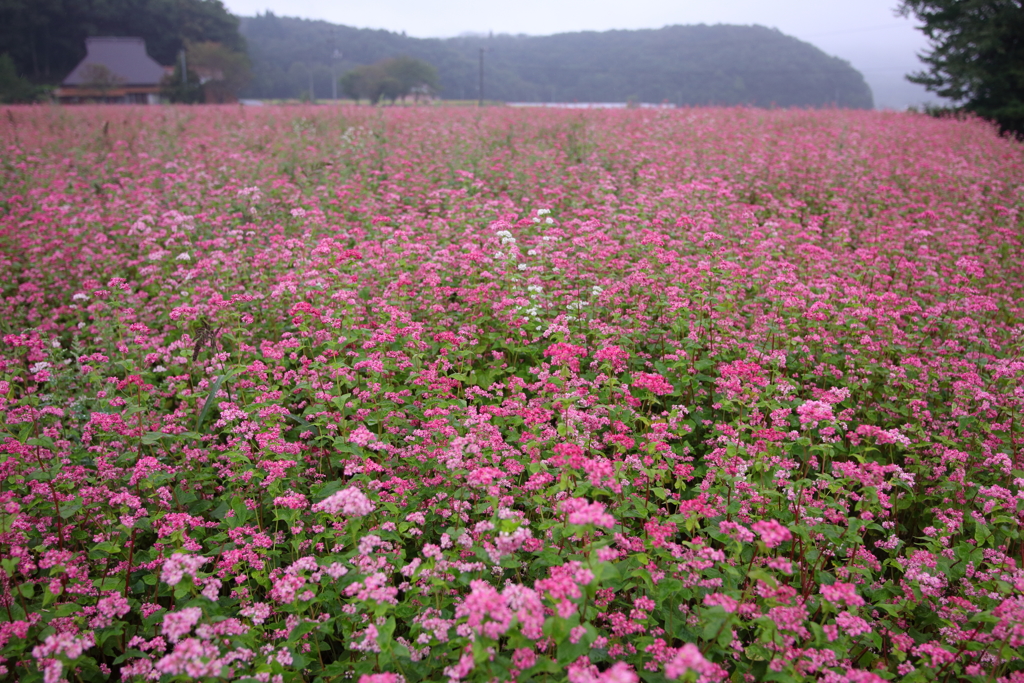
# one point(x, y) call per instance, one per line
point(685, 65)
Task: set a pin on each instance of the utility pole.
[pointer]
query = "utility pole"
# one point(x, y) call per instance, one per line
point(334, 73)
point(481, 77)
point(335, 56)
point(184, 71)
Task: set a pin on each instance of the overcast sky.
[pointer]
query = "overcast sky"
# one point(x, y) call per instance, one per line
point(867, 33)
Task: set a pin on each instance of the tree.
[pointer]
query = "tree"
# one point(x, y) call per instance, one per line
point(389, 79)
point(222, 71)
point(99, 77)
point(976, 56)
point(14, 88)
point(188, 92)
point(413, 75)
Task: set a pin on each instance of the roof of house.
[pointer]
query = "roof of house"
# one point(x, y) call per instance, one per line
point(126, 59)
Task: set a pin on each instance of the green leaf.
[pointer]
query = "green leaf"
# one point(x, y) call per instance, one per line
point(302, 629)
point(209, 402)
point(384, 633)
point(44, 442)
point(150, 438)
point(67, 609)
point(69, 510)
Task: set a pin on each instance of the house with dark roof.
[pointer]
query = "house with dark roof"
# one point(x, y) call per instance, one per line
point(114, 71)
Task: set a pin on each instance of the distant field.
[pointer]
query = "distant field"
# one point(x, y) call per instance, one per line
point(409, 103)
point(295, 393)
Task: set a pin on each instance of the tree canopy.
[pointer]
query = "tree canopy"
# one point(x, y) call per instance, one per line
point(14, 88)
point(686, 65)
point(390, 79)
point(46, 38)
point(976, 56)
point(222, 71)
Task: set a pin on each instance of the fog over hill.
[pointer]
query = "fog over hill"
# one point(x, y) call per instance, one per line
point(687, 65)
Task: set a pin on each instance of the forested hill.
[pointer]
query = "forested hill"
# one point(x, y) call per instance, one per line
point(688, 65)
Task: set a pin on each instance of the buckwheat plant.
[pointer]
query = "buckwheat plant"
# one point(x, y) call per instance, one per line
point(420, 394)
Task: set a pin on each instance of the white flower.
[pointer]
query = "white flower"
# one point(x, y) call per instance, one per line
point(508, 240)
point(184, 293)
point(543, 212)
point(596, 291)
point(536, 289)
point(81, 325)
point(503, 233)
point(80, 296)
point(498, 255)
point(159, 368)
point(183, 256)
point(532, 252)
point(521, 266)
point(55, 343)
point(38, 367)
point(549, 220)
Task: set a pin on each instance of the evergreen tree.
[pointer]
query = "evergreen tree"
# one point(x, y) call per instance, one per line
point(14, 88)
point(976, 56)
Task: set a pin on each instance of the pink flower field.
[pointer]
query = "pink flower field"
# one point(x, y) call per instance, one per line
point(429, 394)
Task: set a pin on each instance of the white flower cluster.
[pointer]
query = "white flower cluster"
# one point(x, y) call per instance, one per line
point(533, 309)
point(506, 237)
point(544, 212)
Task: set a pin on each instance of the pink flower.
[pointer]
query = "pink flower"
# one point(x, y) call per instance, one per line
point(771, 532)
point(721, 600)
point(361, 436)
point(293, 501)
point(842, 593)
point(368, 640)
point(687, 658)
point(350, 502)
point(382, 678)
point(193, 658)
point(565, 354)
point(107, 609)
point(938, 655)
point(851, 625)
point(258, 612)
point(615, 355)
point(177, 624)
point(619, 672)
point(813, 412)
point(582, 512)
point(1011, 621)
point(65, 644)
point(524, 658)
point(461, 670)
point(287, 587)
point(736, 531)
point(653, 382)
point(180, 565)
point(485, 610)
